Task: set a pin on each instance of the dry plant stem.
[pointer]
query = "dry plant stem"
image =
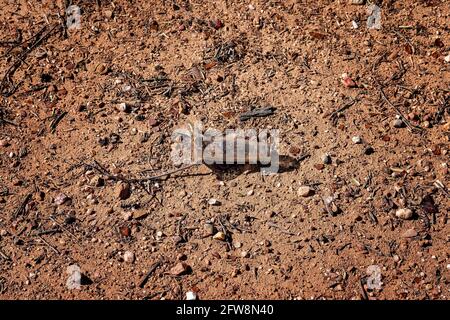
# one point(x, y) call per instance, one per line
point(412, 128)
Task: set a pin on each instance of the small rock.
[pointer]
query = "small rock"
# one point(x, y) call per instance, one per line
point(139, 214)
point(213, 202)
point(219, 236)
point(125, 231)
point(123, 191)
point(217, 24)
point(108, 14)
point(447, 58)
point(102, 69)
point(123, 107)
point(191, 295)
point(97, 181)
point(250, 192)
point(410, 233)
point(326, 159)
point(347, 81)
point(357, 2)
point(244, 254)
point(398, 123)
point(127, 215)
point(356, 140)
point(319, 166)
point(209, 229)
point(74, 279)
point(305, 191)
point(128, 257)
point(180, 269)
point(61, 198)
point(374, 277)
point(237, 245)
point(153, 122)
point(404, 214)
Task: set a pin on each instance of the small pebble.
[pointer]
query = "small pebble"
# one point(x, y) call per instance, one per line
point(305, 191)
point(123, 191)
point(410, 233)
point(61, 198)
point(127, 215)
point(97, 181)
point(219, 236)
point(326, 159)
point(356, 139)
point(213, 202)
point(404, 213)
point(179, 269)
point(123, 107)
point(209, 229)
point(398, 123)
point(128, 257)
point(191, 295)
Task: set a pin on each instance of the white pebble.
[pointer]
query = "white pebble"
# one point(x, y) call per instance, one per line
point(213, 202)
point(190, 295)
point(304, 191)
point(356, 139)
point(128, 257)
point(404, 213)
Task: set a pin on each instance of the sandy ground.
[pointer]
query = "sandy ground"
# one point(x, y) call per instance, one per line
point(87, 116)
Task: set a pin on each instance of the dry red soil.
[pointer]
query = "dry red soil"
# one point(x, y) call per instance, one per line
point(68, 149)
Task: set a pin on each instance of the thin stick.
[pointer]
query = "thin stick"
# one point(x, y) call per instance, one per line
point(49, 245)
point(149, 273)
point(21, 208)
point(105, 172)
point(408, 124)
point(64, 228)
